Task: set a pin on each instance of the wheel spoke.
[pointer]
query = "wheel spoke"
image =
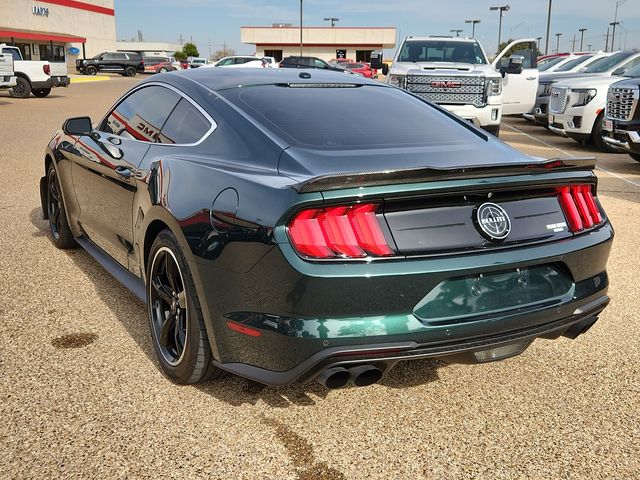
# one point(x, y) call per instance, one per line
point(168, 325)
point(56, 216)
point(163, 291)
point(182, 300)
point(172, 274)
point(53, 190)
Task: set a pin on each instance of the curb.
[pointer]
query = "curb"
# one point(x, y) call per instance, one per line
point(89, 78)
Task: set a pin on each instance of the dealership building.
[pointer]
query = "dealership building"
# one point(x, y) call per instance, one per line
point(56, 30)
point(327, 43)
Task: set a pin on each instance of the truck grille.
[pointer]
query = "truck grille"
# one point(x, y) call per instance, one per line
point(621, 103)
point(448, 90)
point(558, 101)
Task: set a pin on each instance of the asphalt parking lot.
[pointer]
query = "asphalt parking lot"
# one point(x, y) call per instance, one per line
point(81, 395)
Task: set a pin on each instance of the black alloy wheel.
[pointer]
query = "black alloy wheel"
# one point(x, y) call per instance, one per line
point(91, 70)
point(130, 72)
point(22, 88)
point(60, 231)
point(168, 303)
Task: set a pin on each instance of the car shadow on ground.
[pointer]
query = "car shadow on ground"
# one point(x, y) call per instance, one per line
point(233, 390)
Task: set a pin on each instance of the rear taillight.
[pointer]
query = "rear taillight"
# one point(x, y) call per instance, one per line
point(579, 207)
point(46, 68)
point(339, 232)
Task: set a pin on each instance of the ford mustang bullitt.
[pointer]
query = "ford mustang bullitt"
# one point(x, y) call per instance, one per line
point(280, 238)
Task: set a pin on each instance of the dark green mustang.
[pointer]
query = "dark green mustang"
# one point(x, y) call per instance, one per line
point(289, 225)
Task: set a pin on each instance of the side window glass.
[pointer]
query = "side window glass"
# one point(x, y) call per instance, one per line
point(185, 125)
point(525, 50)
point(142, 114)
point(319, 64)
point(633, 63)
point(108, 56)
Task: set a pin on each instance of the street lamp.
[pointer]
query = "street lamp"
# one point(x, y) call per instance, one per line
point(546, 48)
point(582, 30)
point(333, 21)
point(456, 31)
point(558, 35)
point(538, 40)
point(501, 11)
point(473, 22)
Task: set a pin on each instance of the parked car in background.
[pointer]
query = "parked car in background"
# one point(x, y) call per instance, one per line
point(310, 62)
point(577, 63)
point(244, 62)
point(282, 239)
point(128, 64)
point(157, 65)
point(622, 117)
point(195, 62)
point(361, 68)
point(176, 64)
point(35, 76)
point(615, 64)
point(7, 76)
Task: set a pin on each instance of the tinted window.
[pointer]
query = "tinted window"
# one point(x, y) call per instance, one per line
point(526, 50)
point(142, 114)
point(15, 53)
point(630, 65)
point(547, 64)
point(309, 117)
point(316, 62)
point(151, 61)
point(441, 51)
point(573, 63)
point(185, 125)
point(608, 63)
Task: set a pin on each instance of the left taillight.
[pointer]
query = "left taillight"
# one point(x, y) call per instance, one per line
point(344, 231)
point(579, 206)
point(46, 68)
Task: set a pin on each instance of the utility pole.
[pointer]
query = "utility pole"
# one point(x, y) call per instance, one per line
point(546, 48)
point(224, 48)
point(501, 11)
point(456, 31)
point(582, 30)
point(589, 47)
point(573, 45)
point(180, 39)
point(558, 35)
point(606, 42)
point(333, 20)
point(300, 27)
point(613, 35)
point(473, 22)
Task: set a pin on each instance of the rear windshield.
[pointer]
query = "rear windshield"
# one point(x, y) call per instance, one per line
point(347, 118)
point(573, 63)
point(442, 51)
point(608, 63)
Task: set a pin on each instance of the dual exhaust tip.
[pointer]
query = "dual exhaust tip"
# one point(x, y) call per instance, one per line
point(338, 377)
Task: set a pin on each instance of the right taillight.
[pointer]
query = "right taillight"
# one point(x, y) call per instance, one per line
point(345, 231)
point(579, 207)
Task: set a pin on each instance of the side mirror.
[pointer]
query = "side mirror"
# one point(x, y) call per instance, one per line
point(514, 67)
point(77, 126)
point(385, 69)
point(376, 60)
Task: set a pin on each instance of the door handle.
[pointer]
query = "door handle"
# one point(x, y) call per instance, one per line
point(531, 78)
point(123, 172)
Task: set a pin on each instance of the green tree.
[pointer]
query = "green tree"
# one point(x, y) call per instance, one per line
point(179, 55)
point(190, 50)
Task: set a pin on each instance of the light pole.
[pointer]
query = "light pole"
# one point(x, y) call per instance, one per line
point(300, 27)
point(546, 48)
point(333, 21)
point(473, 22)
point(501, 11)
point(582, 30)
point(456, 31)
point(589, 47)
point(538, 40)
point(613, 35)
point(558, 35)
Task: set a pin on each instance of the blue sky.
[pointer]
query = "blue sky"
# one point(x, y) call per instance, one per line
point(219, 21)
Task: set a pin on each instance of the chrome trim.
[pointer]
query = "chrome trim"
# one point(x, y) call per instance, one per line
point(617, 143)
point(559, 131)
point(213, 123)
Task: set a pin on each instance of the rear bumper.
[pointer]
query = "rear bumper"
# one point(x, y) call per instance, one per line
point(8, 81)
point(52, 82)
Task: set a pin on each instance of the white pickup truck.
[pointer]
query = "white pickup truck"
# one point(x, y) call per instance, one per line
point(35, 76)
point(7, 78)
point(454, 72)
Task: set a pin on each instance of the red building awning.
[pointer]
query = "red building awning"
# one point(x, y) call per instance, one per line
point(41, 36)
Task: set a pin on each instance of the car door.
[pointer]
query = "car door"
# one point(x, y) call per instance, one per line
point(519, 90)
point(105, 167)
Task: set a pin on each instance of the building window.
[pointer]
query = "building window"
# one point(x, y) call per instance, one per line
point(277, 54)
point(25, 49)
point(363, 55)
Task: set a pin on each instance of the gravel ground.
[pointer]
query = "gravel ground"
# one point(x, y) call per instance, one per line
point(81, 395)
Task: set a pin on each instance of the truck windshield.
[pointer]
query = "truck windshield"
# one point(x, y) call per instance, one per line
point(609, 63)
point(442, 51)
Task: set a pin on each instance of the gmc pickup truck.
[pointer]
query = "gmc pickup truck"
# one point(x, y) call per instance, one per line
point(454, 72)
point(7, 77)
point(622, 124)
point(35, 76)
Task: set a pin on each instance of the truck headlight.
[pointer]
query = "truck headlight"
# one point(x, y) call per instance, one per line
point(398, 80)
point(494, 87)
point(583, 96)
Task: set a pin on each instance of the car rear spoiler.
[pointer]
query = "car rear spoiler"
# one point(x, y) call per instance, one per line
point(427, 174)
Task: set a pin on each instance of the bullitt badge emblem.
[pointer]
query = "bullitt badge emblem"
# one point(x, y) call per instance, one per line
point(493, 222)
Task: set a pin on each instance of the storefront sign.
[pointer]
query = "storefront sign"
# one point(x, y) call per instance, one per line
point(40, 11)
point(73, 51)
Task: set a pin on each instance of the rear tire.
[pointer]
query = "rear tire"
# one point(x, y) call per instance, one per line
point(22, 88)
point(596, 137)
point(91, 70)
point(635, 156)
point(176, 322)
point(163, 70)
point(130, 72)
point(57, 214)
point(493, 130)
point(41, 92)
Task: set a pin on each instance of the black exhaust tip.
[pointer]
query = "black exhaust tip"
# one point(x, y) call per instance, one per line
point(336, 377)
point(577, 329)
point(365, 375)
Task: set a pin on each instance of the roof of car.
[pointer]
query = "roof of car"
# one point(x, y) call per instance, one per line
point(443, 38)
point(225, 78)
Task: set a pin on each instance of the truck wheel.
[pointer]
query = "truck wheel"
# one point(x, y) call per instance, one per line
point(22, 88)
point(91, 70)
point(493, 130)
point(596, 136)
point(130, 72)
point(41, 92)
point(635, 156)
